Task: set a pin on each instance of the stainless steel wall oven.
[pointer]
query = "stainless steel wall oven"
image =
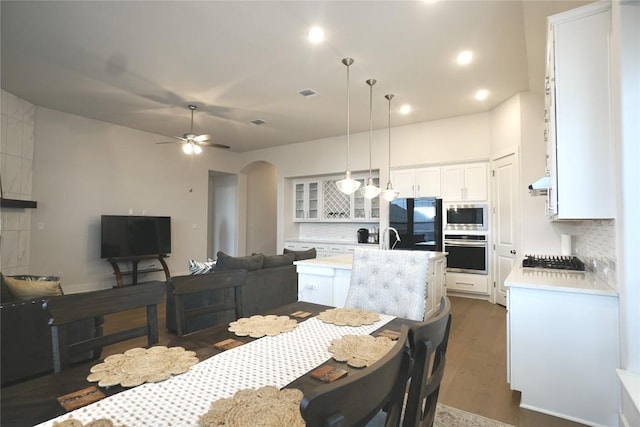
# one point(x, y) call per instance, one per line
point(467, 253)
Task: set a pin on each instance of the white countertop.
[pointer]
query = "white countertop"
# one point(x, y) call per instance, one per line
point(332, 242)
point(346, 260)
point(554, 280)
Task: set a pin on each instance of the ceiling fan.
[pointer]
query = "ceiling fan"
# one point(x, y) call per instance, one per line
point(192, 143)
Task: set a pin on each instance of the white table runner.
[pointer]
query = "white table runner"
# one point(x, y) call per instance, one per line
point(179, 401)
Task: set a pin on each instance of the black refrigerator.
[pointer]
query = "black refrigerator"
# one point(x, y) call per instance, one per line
point(418, 222)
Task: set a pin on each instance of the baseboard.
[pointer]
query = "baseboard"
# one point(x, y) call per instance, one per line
point(560, 415)
point(467, 295)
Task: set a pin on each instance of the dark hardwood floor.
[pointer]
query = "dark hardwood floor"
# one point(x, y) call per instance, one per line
point(475, 377)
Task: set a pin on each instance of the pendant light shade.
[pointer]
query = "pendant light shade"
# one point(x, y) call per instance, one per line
point(370, 190)
point(348, 185)
point(389, 194)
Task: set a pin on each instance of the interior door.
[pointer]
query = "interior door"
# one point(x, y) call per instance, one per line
point(506, 224)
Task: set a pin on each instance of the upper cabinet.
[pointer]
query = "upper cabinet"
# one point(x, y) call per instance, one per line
point(422, 182)
point(464, 182)
point(306, 200)
point(319, 200)
point(578, 116)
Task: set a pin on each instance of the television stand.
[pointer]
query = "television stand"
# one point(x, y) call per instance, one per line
point(134, 260)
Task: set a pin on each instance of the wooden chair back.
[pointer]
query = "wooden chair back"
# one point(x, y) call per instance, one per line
point(428, 343)
point(187, 285)
point(64, 311)
point(354, 400)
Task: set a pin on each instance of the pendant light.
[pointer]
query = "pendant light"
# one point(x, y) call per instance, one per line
point(348, 185)
point(389, 194)
point(370, 190)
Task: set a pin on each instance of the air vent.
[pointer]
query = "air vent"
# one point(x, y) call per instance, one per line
point(258, 122)
point(308, 92)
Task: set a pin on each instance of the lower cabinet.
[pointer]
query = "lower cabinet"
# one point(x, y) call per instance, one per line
point(464, 282)
point(562, 353)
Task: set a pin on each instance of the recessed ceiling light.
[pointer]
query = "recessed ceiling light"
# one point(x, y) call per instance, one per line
point(315, 35)
point(405, 109)
point(465, 57)
point(482, 94)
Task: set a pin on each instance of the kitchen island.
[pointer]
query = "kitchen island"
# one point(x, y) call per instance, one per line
point(562, 343)
point(326, 280)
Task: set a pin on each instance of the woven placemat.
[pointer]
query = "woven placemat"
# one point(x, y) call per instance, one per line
point(71, 422)
point(259, 326)
point(139, 365)
point(360, 350)
point(265, 407)
point(349, 316)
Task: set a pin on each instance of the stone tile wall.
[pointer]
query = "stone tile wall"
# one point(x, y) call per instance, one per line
point(595, 245)
point(16, 166)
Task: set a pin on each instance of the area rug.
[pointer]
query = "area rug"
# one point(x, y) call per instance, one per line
point(446, 416)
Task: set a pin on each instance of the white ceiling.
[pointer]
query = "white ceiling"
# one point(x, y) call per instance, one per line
point(139, 64)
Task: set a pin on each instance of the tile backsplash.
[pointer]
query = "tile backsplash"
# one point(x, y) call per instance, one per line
point(335, 231)
point(595, 245)
point(16, 166)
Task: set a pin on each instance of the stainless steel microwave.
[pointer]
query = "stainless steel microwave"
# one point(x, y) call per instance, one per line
point(466, 217)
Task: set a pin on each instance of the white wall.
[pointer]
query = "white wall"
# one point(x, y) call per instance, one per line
point(84, 168)
point(262, 192)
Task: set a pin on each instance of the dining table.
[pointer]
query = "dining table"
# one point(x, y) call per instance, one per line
point(286, 360)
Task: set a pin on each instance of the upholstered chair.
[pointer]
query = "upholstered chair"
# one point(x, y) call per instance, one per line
point(392, 282)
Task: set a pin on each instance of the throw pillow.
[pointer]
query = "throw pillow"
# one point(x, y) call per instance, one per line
point(27, 289)
point(228, 262)
point(197, 267)
point(5, 296)
point(300, 255)
point(272, 261)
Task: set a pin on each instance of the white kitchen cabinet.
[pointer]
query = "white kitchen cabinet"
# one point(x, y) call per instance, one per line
point(307, 200)
point(562, 345)
point(578, 116)
point(363, 209)
point(465, 282)
point(319, 200)
point(421, 182)
point(464, 182)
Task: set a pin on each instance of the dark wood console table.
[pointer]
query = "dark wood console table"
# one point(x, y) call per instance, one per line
point(134, 267)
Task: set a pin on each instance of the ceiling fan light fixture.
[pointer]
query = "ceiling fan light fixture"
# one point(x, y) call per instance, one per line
point(197, 149)
point(187, 148)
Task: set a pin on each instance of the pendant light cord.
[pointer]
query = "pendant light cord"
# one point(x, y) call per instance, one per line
point(370, 82)
point(389, 97)
point(348, 121)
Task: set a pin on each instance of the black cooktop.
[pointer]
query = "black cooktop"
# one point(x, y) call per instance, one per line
point(552, 262)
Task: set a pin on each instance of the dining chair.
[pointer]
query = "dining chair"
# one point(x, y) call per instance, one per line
point(392, 282)
point(210, 294)
point(64, 311)
point(354, 400)
point(428, 344)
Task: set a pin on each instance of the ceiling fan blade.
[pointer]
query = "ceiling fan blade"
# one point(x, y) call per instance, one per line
point(214, 145)
point(167, 142)
point(202, 138)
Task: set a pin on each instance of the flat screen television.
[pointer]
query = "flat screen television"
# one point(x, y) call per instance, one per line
point(131, 236)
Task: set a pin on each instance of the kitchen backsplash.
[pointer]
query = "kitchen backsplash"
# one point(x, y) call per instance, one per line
point(334, 231)
point(595, 245)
